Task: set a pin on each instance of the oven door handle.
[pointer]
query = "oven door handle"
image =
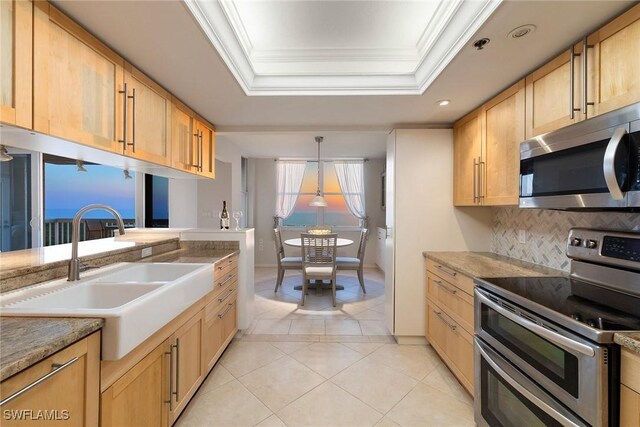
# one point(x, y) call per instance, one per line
point(526, 393)
point(609, 164)
point(537, 329)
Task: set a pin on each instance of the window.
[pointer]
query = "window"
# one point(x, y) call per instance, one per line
point(67, 188)
point(156, 201)
point(335, 214)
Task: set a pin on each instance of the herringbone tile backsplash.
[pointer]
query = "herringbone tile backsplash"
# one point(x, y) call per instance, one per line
point(547, 230)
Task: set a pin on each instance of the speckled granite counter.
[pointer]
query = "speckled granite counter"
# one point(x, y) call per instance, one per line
point(487, 264)
point(630, 340)
point(28, 340)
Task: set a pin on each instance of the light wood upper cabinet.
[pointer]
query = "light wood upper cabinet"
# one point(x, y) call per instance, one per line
point(140, 397)
point(548, 95)
point(76, 82)
point(500, 169)
point(16, 50)
point(148, 116)
point(467, 152)
point(183, 137)
point(614, 64)
point(205, 149)
point(70, 386)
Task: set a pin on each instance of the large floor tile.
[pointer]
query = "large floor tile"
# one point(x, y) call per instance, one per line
point(364, 348)
point(328, 405)
point(273, 421)
point(271, 327)
point(342, 327)
point(414, 360)
point(327, 359)
point(230, 405)
point(374, 327)
point(426, 406)
point(307, 327)
point(442, 379)
point(245, 356)
point(218, 376)
point(376, 384)
point(281, 382)
point(289, 347)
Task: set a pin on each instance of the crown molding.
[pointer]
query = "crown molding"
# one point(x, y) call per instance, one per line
point(331, 71)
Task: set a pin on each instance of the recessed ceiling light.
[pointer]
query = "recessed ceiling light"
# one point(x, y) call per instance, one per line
point(521, 31)
point(443, 102)
point(481, 43)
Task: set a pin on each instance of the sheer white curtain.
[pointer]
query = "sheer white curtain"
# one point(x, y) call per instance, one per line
point(351, 179)
point(289, 181)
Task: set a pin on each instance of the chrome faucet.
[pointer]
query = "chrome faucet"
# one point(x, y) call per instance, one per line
point(74, 264)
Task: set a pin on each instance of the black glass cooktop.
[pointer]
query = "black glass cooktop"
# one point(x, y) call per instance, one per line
point(596, 307)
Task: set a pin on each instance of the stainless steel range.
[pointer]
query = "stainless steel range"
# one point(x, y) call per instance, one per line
point(544, 350)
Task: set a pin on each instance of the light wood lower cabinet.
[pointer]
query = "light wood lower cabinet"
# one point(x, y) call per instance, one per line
point(67, 394)
point(630, 388)
point(186, 345)
point(140, 396)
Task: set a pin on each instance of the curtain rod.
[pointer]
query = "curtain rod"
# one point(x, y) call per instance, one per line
point(315, 161)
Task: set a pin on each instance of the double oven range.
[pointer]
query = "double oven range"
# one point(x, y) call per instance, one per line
point(544, 349)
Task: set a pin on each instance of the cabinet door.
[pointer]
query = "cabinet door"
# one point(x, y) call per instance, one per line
point(141, 395)
point(206, 149)
point(183, 138)
point(614, 72)
point(16, 54)
point(629, 407)
point(548, 95)
point(229, 319)
point(467, 152)
point(504, 116)
point(212, 334)
point(187, 363)
point(148, 118)
point(76, 82)
point(68, 393)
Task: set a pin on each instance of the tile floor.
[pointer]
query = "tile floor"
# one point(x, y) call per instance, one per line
point(323, 366)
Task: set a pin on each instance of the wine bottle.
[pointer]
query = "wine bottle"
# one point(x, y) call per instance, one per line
point(224, 217)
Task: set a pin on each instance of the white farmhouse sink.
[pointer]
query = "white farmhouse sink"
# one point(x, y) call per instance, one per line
point(135, 300)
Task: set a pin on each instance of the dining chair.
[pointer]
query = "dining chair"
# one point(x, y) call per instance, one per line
point(357, 263)
point(318, 261)
point(284, 262)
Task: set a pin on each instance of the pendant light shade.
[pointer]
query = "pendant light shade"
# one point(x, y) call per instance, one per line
point(4, 156)
point(318, 201)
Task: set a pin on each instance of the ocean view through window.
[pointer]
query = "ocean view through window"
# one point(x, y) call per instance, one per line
point(67, 189)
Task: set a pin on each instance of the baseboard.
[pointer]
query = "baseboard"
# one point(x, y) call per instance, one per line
point(411, 340)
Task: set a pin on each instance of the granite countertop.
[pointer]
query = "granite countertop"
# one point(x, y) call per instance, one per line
point(487, 264)
point(28, 340)
point(630, 340)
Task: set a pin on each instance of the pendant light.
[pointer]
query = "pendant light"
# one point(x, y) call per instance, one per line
point(80, 166)
point(4, 156)
point(318, 201)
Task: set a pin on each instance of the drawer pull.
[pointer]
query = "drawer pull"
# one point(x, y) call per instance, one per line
point(56, 368)
point(229, 277)
point(446, 270)
point(446, 288)
point(171, 392)
point(439, 314)
point(229, 292)
point(221, 315)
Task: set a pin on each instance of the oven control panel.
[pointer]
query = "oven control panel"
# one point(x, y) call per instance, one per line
point(605, 247)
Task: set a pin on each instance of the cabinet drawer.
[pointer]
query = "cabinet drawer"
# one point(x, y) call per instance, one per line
point(630, 369)
point(222, 284)
point(218, 304)
point(459, 304)
point(450, 275)
point(629, 407)
point(219, 328)
point(452, 343)
point(223, 267)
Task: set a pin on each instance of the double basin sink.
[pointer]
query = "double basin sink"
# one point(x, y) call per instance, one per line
point(135, 300)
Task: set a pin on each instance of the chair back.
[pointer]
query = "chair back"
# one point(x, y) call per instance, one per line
point(319, 250)
point(319, 229)
point(279, 246)
point(364, 236)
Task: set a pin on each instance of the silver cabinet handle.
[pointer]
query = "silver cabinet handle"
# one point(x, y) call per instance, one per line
point(57, 368)
point(446, 270)
point(133, 120)
point(439, 314)
point(609, 164)
point(125, 94)
point(549, 335)
point(171, 393)
point(177, 368)
point(229, 277)
point(221, 315)
point(572, 58)
point(585, 48)
point(446, 288)
point(481, 178)
point(229, 292)
point(201, 150)
point(475, 184)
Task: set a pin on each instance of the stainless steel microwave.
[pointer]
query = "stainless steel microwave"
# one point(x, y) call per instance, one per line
point(593, 164)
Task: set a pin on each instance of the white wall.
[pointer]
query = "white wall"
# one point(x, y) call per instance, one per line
point(426, 220)
point(211, 194)
point(263, 192)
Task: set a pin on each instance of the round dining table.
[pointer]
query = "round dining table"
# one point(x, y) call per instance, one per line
point(318, 284)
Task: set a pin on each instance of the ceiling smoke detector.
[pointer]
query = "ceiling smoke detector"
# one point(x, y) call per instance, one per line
point(443, 102)
point(521, 31)
point(481, 43)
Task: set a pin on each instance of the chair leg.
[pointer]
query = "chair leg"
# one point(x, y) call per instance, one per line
point(333, 290)
point(304, 291)
point(361, 279)
point(279, 279)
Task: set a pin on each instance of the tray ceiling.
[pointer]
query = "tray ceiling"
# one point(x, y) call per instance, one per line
point(276, 47)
